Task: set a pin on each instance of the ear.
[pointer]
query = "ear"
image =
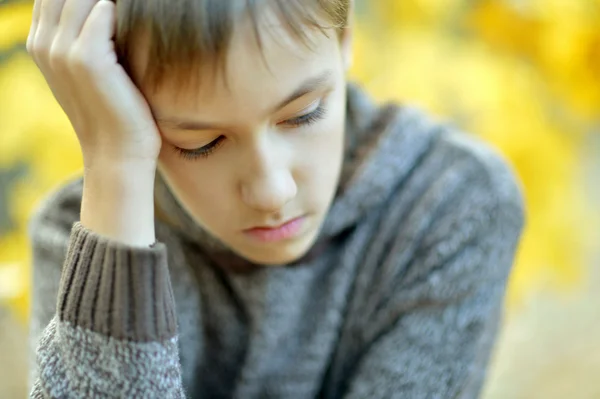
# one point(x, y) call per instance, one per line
point(346, 39)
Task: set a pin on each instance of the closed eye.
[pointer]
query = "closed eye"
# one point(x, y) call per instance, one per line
point(201, 152)
point(205, 151)
point(306, 119)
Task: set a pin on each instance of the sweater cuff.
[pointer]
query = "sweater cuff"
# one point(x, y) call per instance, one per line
point(116, 290)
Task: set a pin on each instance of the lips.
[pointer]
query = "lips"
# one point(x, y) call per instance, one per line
point(282, 232)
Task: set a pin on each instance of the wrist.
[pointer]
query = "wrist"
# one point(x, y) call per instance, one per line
point(119, 164)
point(118, 201)
point(103, 154)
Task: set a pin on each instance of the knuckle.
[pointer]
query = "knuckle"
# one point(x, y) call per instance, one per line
point(29, 43)
point(80, 60)
point(58, 57)
point(39, 47)
point(39, 50)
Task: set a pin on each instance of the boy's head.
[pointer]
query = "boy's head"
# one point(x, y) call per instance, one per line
point(249, 96)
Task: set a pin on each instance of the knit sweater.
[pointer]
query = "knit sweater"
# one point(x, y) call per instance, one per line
point(400, 297)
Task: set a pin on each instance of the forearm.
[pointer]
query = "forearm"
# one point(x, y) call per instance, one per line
point(118, 201)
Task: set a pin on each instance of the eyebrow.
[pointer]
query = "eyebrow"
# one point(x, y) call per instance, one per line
point(308, 86)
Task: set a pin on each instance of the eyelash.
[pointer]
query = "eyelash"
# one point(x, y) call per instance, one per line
point(204, 152)
point(308, 119)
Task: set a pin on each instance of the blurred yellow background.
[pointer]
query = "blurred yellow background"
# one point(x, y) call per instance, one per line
point(522, 74)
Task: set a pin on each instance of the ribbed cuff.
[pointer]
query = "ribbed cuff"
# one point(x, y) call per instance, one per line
point(117, 290)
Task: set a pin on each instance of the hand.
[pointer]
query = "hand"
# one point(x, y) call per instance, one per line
point(71, 43)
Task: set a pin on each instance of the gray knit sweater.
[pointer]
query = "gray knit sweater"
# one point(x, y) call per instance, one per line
point(400, 297)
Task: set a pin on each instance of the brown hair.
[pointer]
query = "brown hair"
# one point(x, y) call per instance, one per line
point(184, 34)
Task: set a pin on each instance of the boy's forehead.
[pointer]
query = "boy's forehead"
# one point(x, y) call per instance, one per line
point(267, 72)
point(237, 106)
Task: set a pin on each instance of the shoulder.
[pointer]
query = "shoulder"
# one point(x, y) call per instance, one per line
point(50, 224)
point(486, 165)
point(459, 174)
point(452, 221)
point(461, 217)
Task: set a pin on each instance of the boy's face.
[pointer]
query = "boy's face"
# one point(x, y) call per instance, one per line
point(263, 151)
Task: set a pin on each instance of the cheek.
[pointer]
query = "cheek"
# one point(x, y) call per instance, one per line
point(321, 156)
point(199, 187)
point(182, 174)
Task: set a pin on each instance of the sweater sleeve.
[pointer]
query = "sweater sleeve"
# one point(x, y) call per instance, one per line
point(113, 329)
point(432, 326)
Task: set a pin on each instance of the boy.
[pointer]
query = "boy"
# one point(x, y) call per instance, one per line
point(248, 224)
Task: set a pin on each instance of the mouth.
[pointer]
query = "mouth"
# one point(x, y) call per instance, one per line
point(285, 231)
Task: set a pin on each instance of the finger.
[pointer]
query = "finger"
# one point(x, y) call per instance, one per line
point(35, 19)
point(50, 13)
point(36, 11)
point(97, 31)
point(74, 15)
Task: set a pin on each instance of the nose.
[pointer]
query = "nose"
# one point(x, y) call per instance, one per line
point(268, 183)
